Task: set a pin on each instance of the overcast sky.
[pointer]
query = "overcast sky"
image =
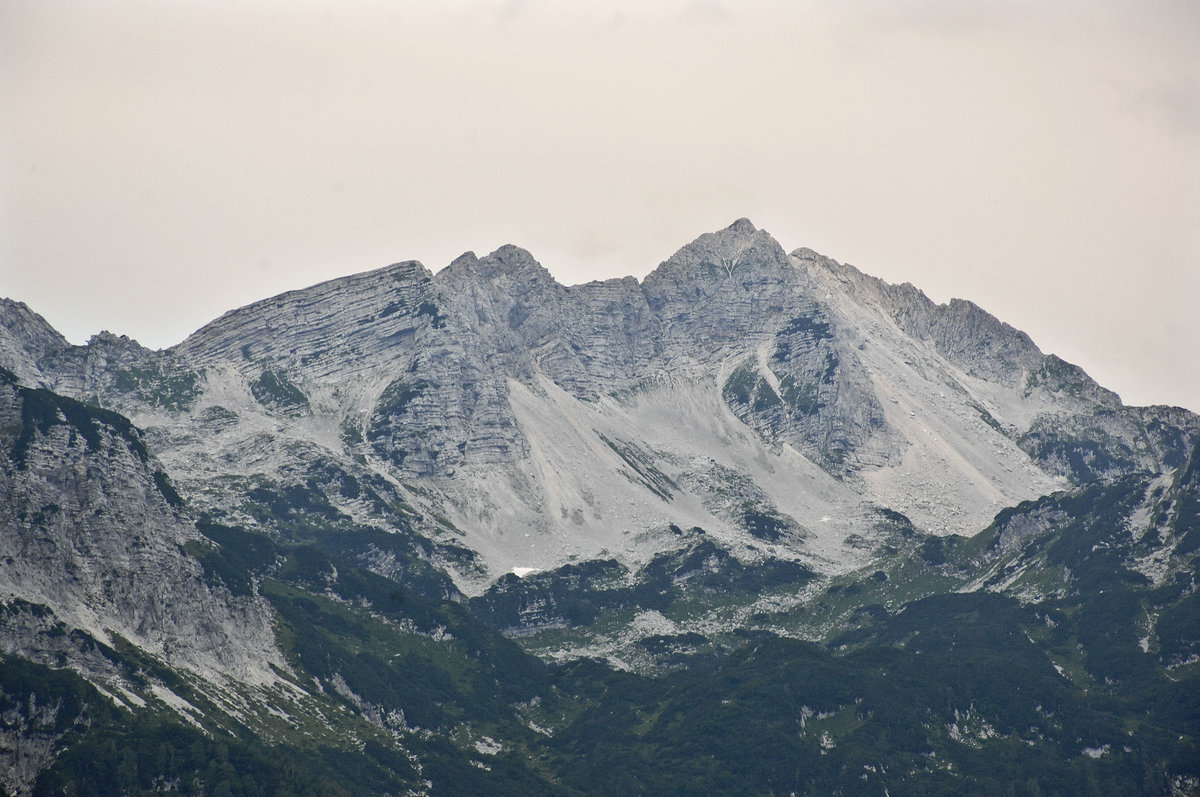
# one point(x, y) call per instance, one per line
point(163, 162)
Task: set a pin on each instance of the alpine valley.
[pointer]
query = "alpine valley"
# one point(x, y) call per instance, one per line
point(756, 524)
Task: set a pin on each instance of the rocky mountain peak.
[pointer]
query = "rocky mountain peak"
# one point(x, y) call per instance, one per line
point(734, 254)
point(509, 270)
point(311, 518)
point(456, 375)
point(105, 343)
point(25, 338)
point(742, 226)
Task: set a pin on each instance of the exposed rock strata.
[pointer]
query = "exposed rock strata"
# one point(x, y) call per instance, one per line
point(93, 535)
point(489, 395)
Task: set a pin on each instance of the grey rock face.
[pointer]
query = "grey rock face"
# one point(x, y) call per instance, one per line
point(348, 325)
point(441, 348)
point(625, 469)
point(449, 406)
point(29, 736)
point(734, 293)
point(725, 294)
point(505, 317)
point(25, 339)
point(719, 293)
point(960, 331)
point(489, 394)
point(93, 533)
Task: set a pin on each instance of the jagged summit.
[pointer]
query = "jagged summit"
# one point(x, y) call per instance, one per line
point(509, 269)
point(596, 415)
point(729, 253)
point(25, 339)
point(307, 526)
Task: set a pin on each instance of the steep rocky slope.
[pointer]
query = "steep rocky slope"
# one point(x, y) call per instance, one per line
point(318, 512)
point(99, 572)
point(778, 402)
point(94, 543)
point(544, 424)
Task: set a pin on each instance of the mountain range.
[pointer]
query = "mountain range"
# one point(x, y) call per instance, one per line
point(758, 523)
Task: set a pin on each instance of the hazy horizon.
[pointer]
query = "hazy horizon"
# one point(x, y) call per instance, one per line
point(165, 163)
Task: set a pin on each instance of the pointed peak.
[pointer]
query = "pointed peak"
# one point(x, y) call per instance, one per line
point(739, 236)
point(737, 248)
point(26, 324)
point(511, 253)
point(508, 263)
point(743, 226)
point(110, 341)
point(460, 268)
point(105, 337)
point(465, 260)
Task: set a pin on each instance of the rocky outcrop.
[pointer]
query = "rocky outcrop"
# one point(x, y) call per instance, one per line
point(960, 331)
point(117, 372)
point(745, 446)
point(348, 326)
point(25, 339)
point(492, 394)
point(719, 295)
point(94, 534)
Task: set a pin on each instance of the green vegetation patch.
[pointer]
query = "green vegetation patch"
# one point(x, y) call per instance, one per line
point(163, 482)
point(801, 334)
point(801, 397)
point(766, 523)
point(765, 397)
point(1085, 455)
point(811, 327)
point(160, 385)
point(273, 390)
point(41, 409)
point(739, 387)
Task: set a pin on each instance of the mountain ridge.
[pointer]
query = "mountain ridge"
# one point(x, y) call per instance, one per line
point(420, 369)
point(329, 517)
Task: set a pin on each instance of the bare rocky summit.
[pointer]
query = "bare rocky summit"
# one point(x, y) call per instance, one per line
point(314, 528)
point(543, 423)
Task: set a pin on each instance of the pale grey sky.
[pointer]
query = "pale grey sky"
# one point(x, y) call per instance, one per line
point(163, 162)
